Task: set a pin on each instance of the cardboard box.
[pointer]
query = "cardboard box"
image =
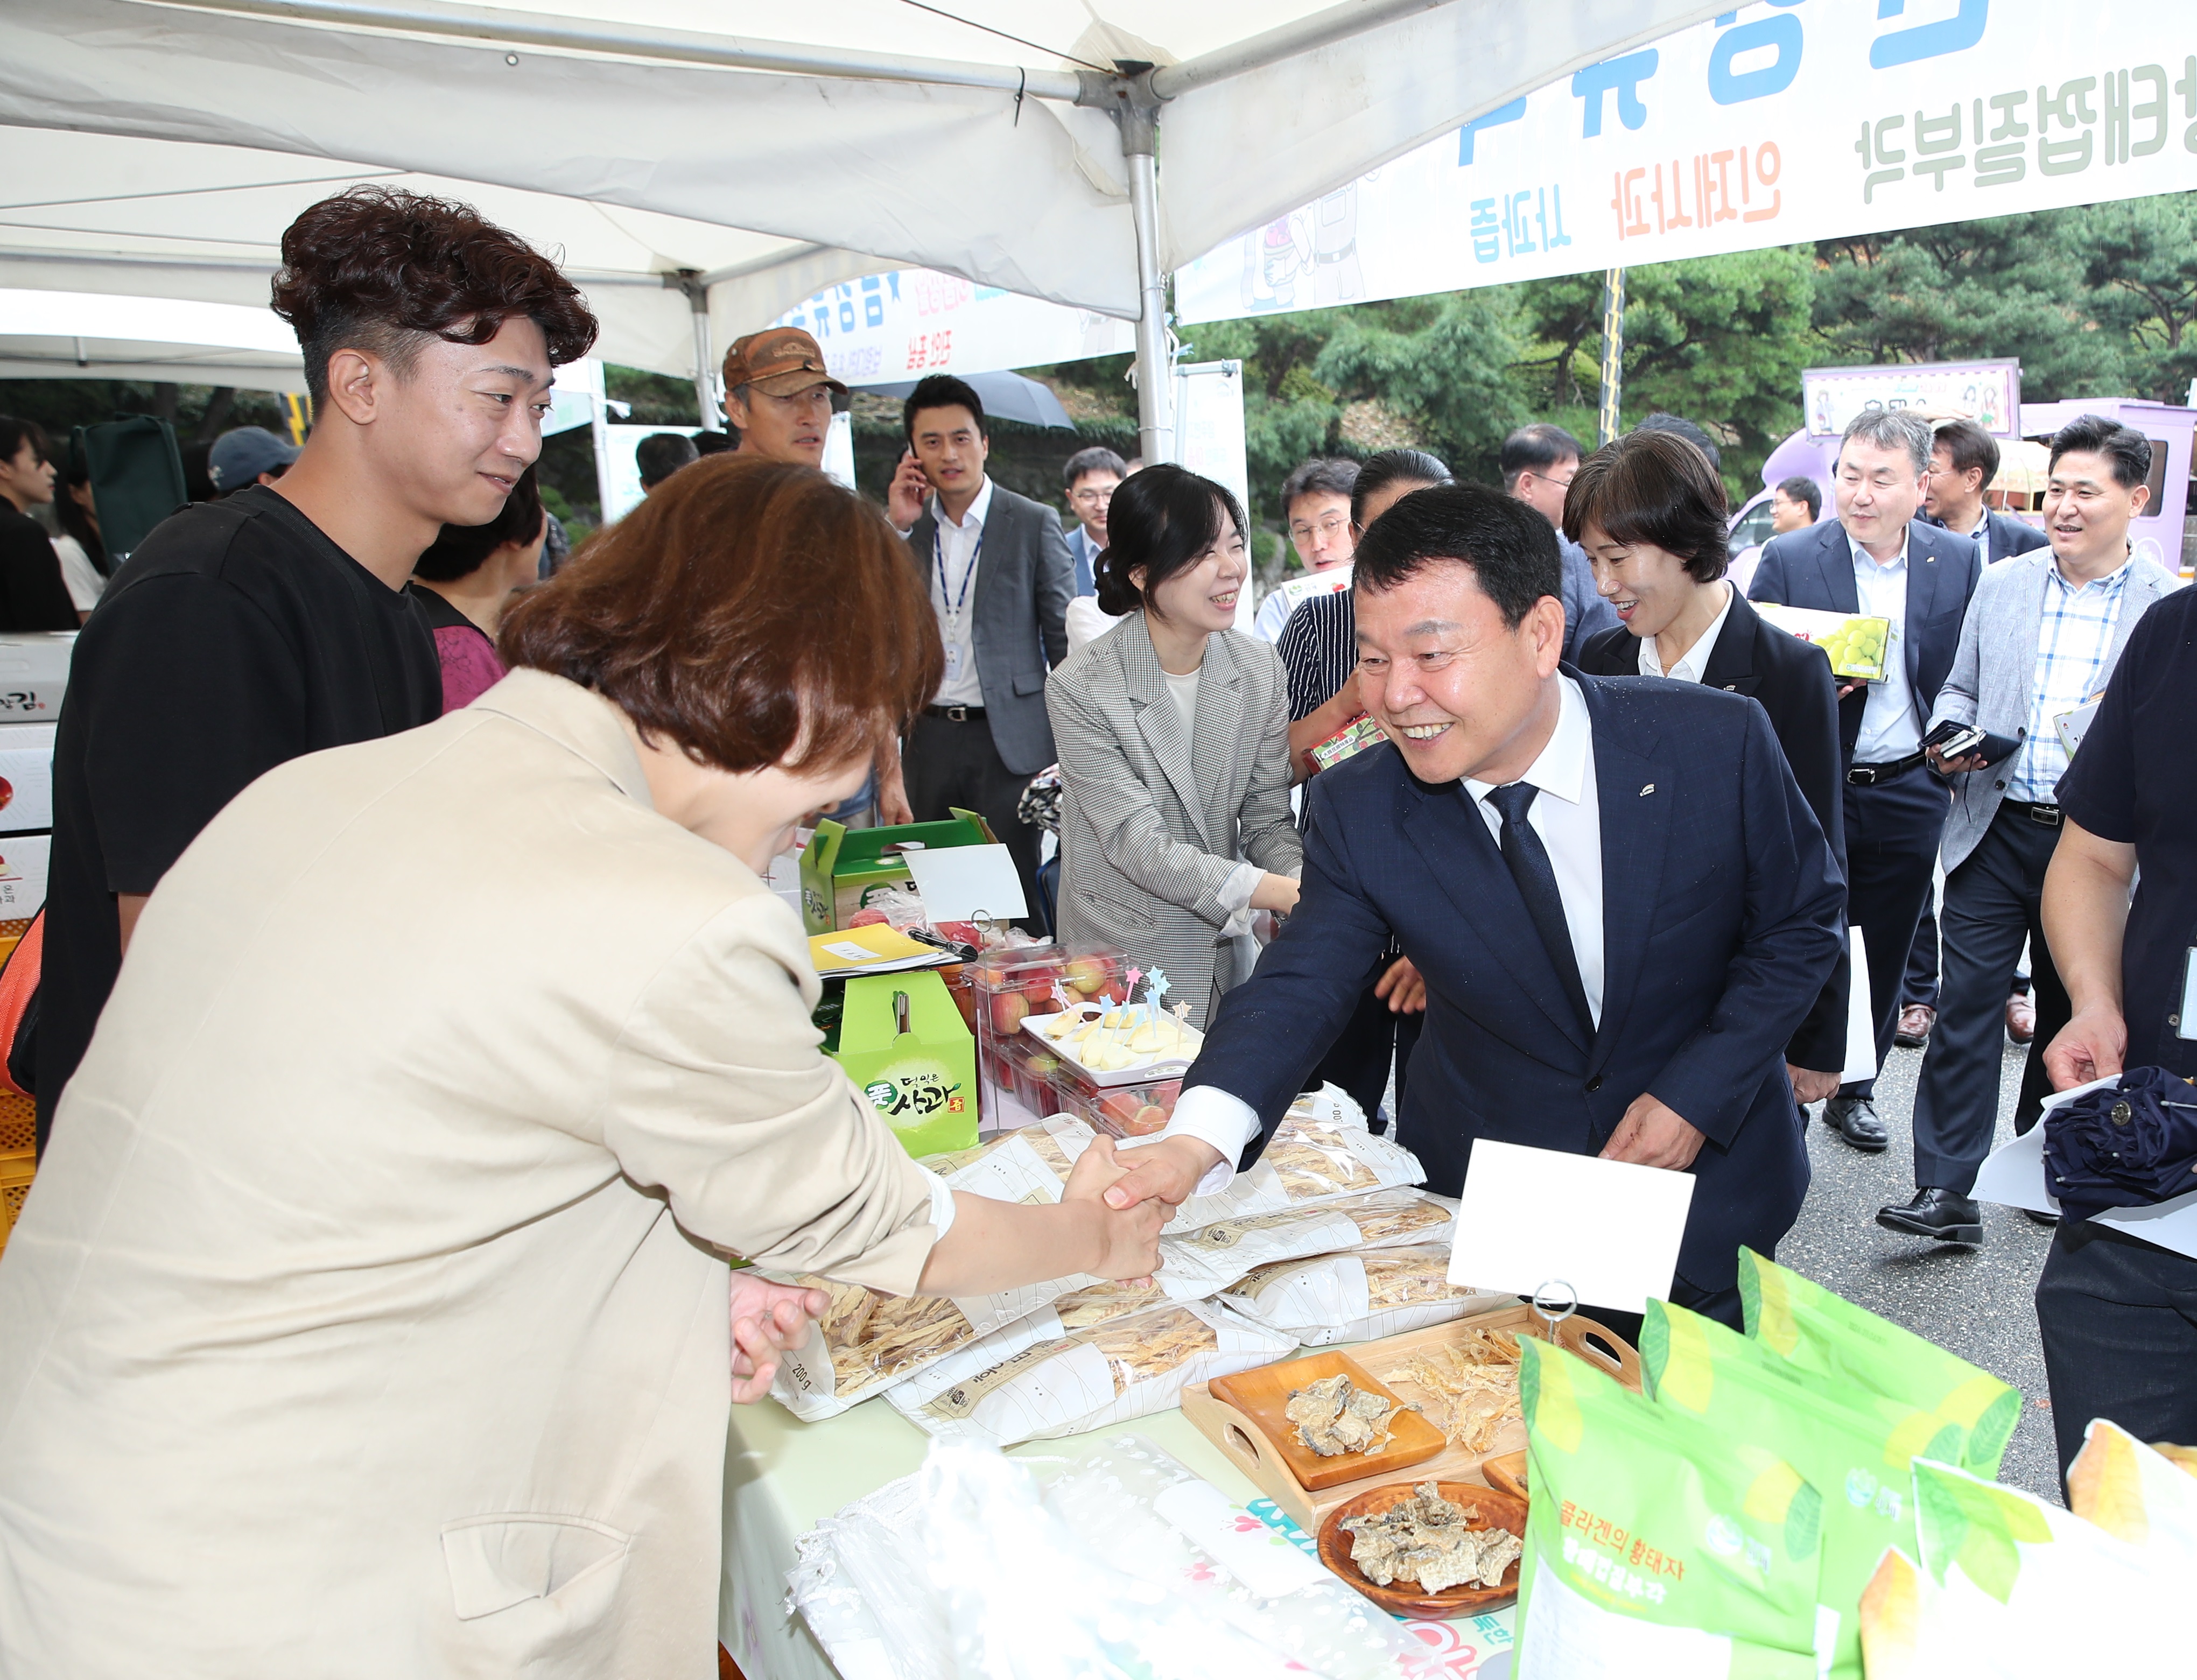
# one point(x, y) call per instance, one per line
point(34, 666)
point(841, 867)
point(24, 861)
point(1855, 642)
point(915, 1061)
point(27, 778)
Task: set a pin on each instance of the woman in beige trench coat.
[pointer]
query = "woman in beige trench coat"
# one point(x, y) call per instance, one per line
point(371, 1313)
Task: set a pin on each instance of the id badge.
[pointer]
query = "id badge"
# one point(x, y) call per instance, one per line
point(2185, 1020)
point(953, 662)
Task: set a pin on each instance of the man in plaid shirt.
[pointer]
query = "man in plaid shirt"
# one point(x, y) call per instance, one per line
point(2041, 637)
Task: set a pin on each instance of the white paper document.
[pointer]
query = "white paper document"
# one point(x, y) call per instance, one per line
point(2013, 1175)
point(1609, 1229)
point(960, 883)
point(1861, 1015)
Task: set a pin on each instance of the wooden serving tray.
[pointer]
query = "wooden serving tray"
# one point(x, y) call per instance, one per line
point(1245, 1445)
point(1496, 1510)
point(1262, 1396)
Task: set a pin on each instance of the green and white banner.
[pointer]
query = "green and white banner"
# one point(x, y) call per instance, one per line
point(1775, 124)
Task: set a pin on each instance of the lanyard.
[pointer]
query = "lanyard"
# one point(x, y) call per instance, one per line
point(953, 603)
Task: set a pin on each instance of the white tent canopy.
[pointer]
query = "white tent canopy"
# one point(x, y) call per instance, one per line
point(857, 133)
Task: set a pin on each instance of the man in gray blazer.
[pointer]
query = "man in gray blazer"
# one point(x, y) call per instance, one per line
point(2042, 634)
point(1000, 582)
point(1963, 461)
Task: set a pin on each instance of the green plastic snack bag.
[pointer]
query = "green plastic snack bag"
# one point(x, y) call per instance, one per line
point(1856, 1447)
point(1657, 1547)
point(1820, 1332)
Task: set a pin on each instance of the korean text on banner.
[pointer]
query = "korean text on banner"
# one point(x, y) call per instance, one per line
point(1774, 124)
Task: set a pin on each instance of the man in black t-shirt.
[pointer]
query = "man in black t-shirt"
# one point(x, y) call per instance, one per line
point(272, 623)
point(2118, 1315)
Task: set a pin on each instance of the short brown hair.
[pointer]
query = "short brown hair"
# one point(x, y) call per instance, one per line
point(748, 611)
point(1654, 486)
point(382, 270)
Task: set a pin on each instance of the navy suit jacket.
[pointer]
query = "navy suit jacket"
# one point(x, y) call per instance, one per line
point(1814, 568)
point(2004, 536)
point(1721, 910)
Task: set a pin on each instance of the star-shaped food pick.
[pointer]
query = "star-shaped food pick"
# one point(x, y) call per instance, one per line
point(1181, 1013)
point(1156, 981)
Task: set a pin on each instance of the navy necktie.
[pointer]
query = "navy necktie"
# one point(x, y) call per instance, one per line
point(1536, 877)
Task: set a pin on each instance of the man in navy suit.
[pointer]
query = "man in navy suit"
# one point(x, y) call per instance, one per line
point(1620, 903)
point(1877, 558)
point(1963, 461)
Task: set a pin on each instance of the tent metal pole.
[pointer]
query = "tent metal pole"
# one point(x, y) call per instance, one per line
point(1135, 109)
point(609, 40)
point(696, 286)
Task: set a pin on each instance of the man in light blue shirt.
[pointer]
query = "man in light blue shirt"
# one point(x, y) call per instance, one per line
point(1089, 480)
point(2041, 639)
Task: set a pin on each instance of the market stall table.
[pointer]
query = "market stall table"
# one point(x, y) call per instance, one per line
point(783, 1476)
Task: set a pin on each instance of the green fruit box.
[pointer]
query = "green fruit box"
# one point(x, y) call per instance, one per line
point(1854, 641)
point(904, 1044)
point(842, 867)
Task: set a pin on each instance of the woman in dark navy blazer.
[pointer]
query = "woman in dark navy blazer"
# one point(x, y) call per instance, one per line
point(1652, 513)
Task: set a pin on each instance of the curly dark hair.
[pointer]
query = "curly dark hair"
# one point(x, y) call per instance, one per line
point(382, 270)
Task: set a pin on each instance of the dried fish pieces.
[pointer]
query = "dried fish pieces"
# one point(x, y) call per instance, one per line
point(1473, 1383)
point(1334, 1415)
point(1427, 1539)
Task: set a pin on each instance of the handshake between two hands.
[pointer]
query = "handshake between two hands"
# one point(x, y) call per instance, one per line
point(1114, 1204)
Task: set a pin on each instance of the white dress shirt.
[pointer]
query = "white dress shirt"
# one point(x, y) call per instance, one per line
point(1695, 659)
point(954, 556)
point(1889, 728)
point(1567, 815)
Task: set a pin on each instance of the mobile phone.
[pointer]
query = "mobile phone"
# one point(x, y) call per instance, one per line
point(1955, 740)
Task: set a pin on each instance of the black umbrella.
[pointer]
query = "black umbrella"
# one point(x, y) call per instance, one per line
point(1004, 396)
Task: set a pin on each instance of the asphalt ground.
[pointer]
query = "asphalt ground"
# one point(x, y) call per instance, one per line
point(1976, 1302)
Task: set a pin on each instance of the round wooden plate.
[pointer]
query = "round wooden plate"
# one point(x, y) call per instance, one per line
point(1497, 1510)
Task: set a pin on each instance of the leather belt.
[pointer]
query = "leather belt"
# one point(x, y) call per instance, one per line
point(956, 714)
point(2044, 816)
point(1869, 775)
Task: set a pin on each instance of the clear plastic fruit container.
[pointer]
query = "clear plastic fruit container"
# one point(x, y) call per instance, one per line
point(1013, 982)
point(1122, 1110)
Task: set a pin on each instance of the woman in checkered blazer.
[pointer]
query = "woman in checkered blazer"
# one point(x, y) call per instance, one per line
point(1172, 731)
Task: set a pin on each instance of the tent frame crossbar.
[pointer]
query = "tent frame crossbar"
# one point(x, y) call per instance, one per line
point(1132, 97)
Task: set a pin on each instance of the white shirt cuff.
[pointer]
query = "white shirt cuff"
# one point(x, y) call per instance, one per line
point(942, 1205)
point(1211, 1116)
point(1235, 897)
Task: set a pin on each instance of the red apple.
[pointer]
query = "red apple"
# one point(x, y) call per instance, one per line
point(866, 919)
point(1008, 1010)
point(1089, 976)
point(1149, 1119)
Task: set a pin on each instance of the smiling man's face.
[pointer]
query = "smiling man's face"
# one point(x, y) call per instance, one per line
point(1461, 693)
point(458, 427)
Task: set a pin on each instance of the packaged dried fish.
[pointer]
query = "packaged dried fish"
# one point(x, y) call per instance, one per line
point(1357, 1297)
point(1427, 1540)
point(868, 1342)
point(1082, 1309)
point(1090, 1378)
point(1201, 1262)
point(1320, 1152)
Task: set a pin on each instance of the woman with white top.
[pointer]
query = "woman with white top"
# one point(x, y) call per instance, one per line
point(1652, 513)
point(84, 565)
point(1172, 731)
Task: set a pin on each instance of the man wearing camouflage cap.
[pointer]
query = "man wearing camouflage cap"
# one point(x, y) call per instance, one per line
point(778, 396)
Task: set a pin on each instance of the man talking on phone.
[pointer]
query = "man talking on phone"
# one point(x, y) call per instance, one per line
point(2043, 632)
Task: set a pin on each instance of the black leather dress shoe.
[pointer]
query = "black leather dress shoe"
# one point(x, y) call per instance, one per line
point(2038, 1216)
point(1944, 1214)
point(1854, 1119)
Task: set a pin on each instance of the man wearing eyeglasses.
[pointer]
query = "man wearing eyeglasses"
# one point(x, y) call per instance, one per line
point(1090, 478)
point(1316, 503)
point(1538, 463)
